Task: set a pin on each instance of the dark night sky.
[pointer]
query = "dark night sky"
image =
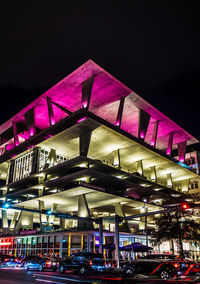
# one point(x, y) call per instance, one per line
point(151, 46)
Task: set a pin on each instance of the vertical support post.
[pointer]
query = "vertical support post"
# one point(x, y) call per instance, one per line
point(50, 112)
point(30, 121)
point(139, 166)
point(120, 112)
point(153, 174)
point(154, 134)
point(182, 151)
point(170, 142)
point(16, 139)
point(144, 119)
point(89, 243)
point(117, 240)
point(84, 143)
point(100, 235)
point(116, 162)
point(94, 239)
point(86, 92)
point(169, 180)
point(82, 237)
point(146, 230)
point(69, 244)
point(61, 246)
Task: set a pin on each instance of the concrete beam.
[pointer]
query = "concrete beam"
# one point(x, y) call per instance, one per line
point(139, 167)
point(155, 133)
point(16, 138)
point(170, 143)
point(84, 143)
point(116, 161)
point(169, 180)
point(124, 227)
point(153, 174)
point(182, 151)
point(50, 112)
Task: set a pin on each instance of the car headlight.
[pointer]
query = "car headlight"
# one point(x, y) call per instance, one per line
point(54, 263)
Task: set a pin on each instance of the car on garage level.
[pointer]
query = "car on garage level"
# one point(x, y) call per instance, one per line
point(83, 262)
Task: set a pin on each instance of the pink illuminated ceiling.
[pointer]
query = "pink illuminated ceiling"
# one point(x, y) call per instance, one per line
point(105, 98)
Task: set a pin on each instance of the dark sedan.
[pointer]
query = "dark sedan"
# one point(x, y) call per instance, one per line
point(41, 264)
point(163, 268)
point(83, 262)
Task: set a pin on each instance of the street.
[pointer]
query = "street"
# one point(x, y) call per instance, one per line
point(19, 276)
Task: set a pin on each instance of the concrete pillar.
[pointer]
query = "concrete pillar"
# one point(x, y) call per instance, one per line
point(69, 244)
point(116, 162)
point(120, 212)
point(185, 185)
point(30, 121)
point(83, 211)
point(144, 119)
point(117, 240)
point(120, 112)
point(14, 220)
point(86, 92)
point(16, 138)
point(154, 134)
point(182, 151)
point(89, 243)
point(52, 159)
point(139, 167)
point(169, 180)
point(52, 217)
point(43, 217)
point(82, 239)
point(153, 174)
point(61, 246)
point(50, 112)
point(100, 235)
point(4, 219)
point(84, 143)
point(170, 143)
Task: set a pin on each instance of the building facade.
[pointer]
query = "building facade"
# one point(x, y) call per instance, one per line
point(84, 152)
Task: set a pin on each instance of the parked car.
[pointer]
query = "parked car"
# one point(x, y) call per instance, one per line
point(83, 262)
point(163, 268)
point(41, 264)
point(161, 256)
point(27, 258)
point(11, 262)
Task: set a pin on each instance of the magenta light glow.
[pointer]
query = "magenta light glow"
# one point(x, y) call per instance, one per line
point(81, 119)
point(117, 123)
point(142, 135)
point(84, 105)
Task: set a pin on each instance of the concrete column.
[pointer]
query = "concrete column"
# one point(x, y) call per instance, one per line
point(43, 217)
point(182, 151)
point(30, 121)
point(69, 244)
point(170, 143)
point(153, 174)
point(82, 239)
point(100, 235)
point(120, 112)
point(14, 220)
point(120, 212)
point(50, 112)
point(185, 185)
point(52, 217)
point(84, 143)
point(4, 219)
point(61, 246)
point(52, 159)
point(144, 119)
point(169, 180)
point(116, 162)
point(16, 138)
point(117, 240)
point(139, 167)
point(89, 243)
point(154, 134)
point(86, 92)
point(83, 211)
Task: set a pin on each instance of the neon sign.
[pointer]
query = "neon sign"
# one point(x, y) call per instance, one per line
point(5, 244)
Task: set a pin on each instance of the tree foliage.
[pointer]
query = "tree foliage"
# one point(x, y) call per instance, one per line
point(177, 226)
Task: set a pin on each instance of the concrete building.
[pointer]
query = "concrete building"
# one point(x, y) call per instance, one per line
point(88, 150)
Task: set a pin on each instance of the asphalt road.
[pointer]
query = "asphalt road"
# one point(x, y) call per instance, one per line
point(17, 276)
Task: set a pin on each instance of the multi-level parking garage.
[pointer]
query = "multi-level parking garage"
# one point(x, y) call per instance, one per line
point(86, 149)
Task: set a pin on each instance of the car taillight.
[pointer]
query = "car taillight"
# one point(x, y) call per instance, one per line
point(48, 262)
point(177, 265)
point(6, 259)
point(90, 262)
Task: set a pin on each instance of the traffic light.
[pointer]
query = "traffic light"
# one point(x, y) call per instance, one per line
point(185, 206)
